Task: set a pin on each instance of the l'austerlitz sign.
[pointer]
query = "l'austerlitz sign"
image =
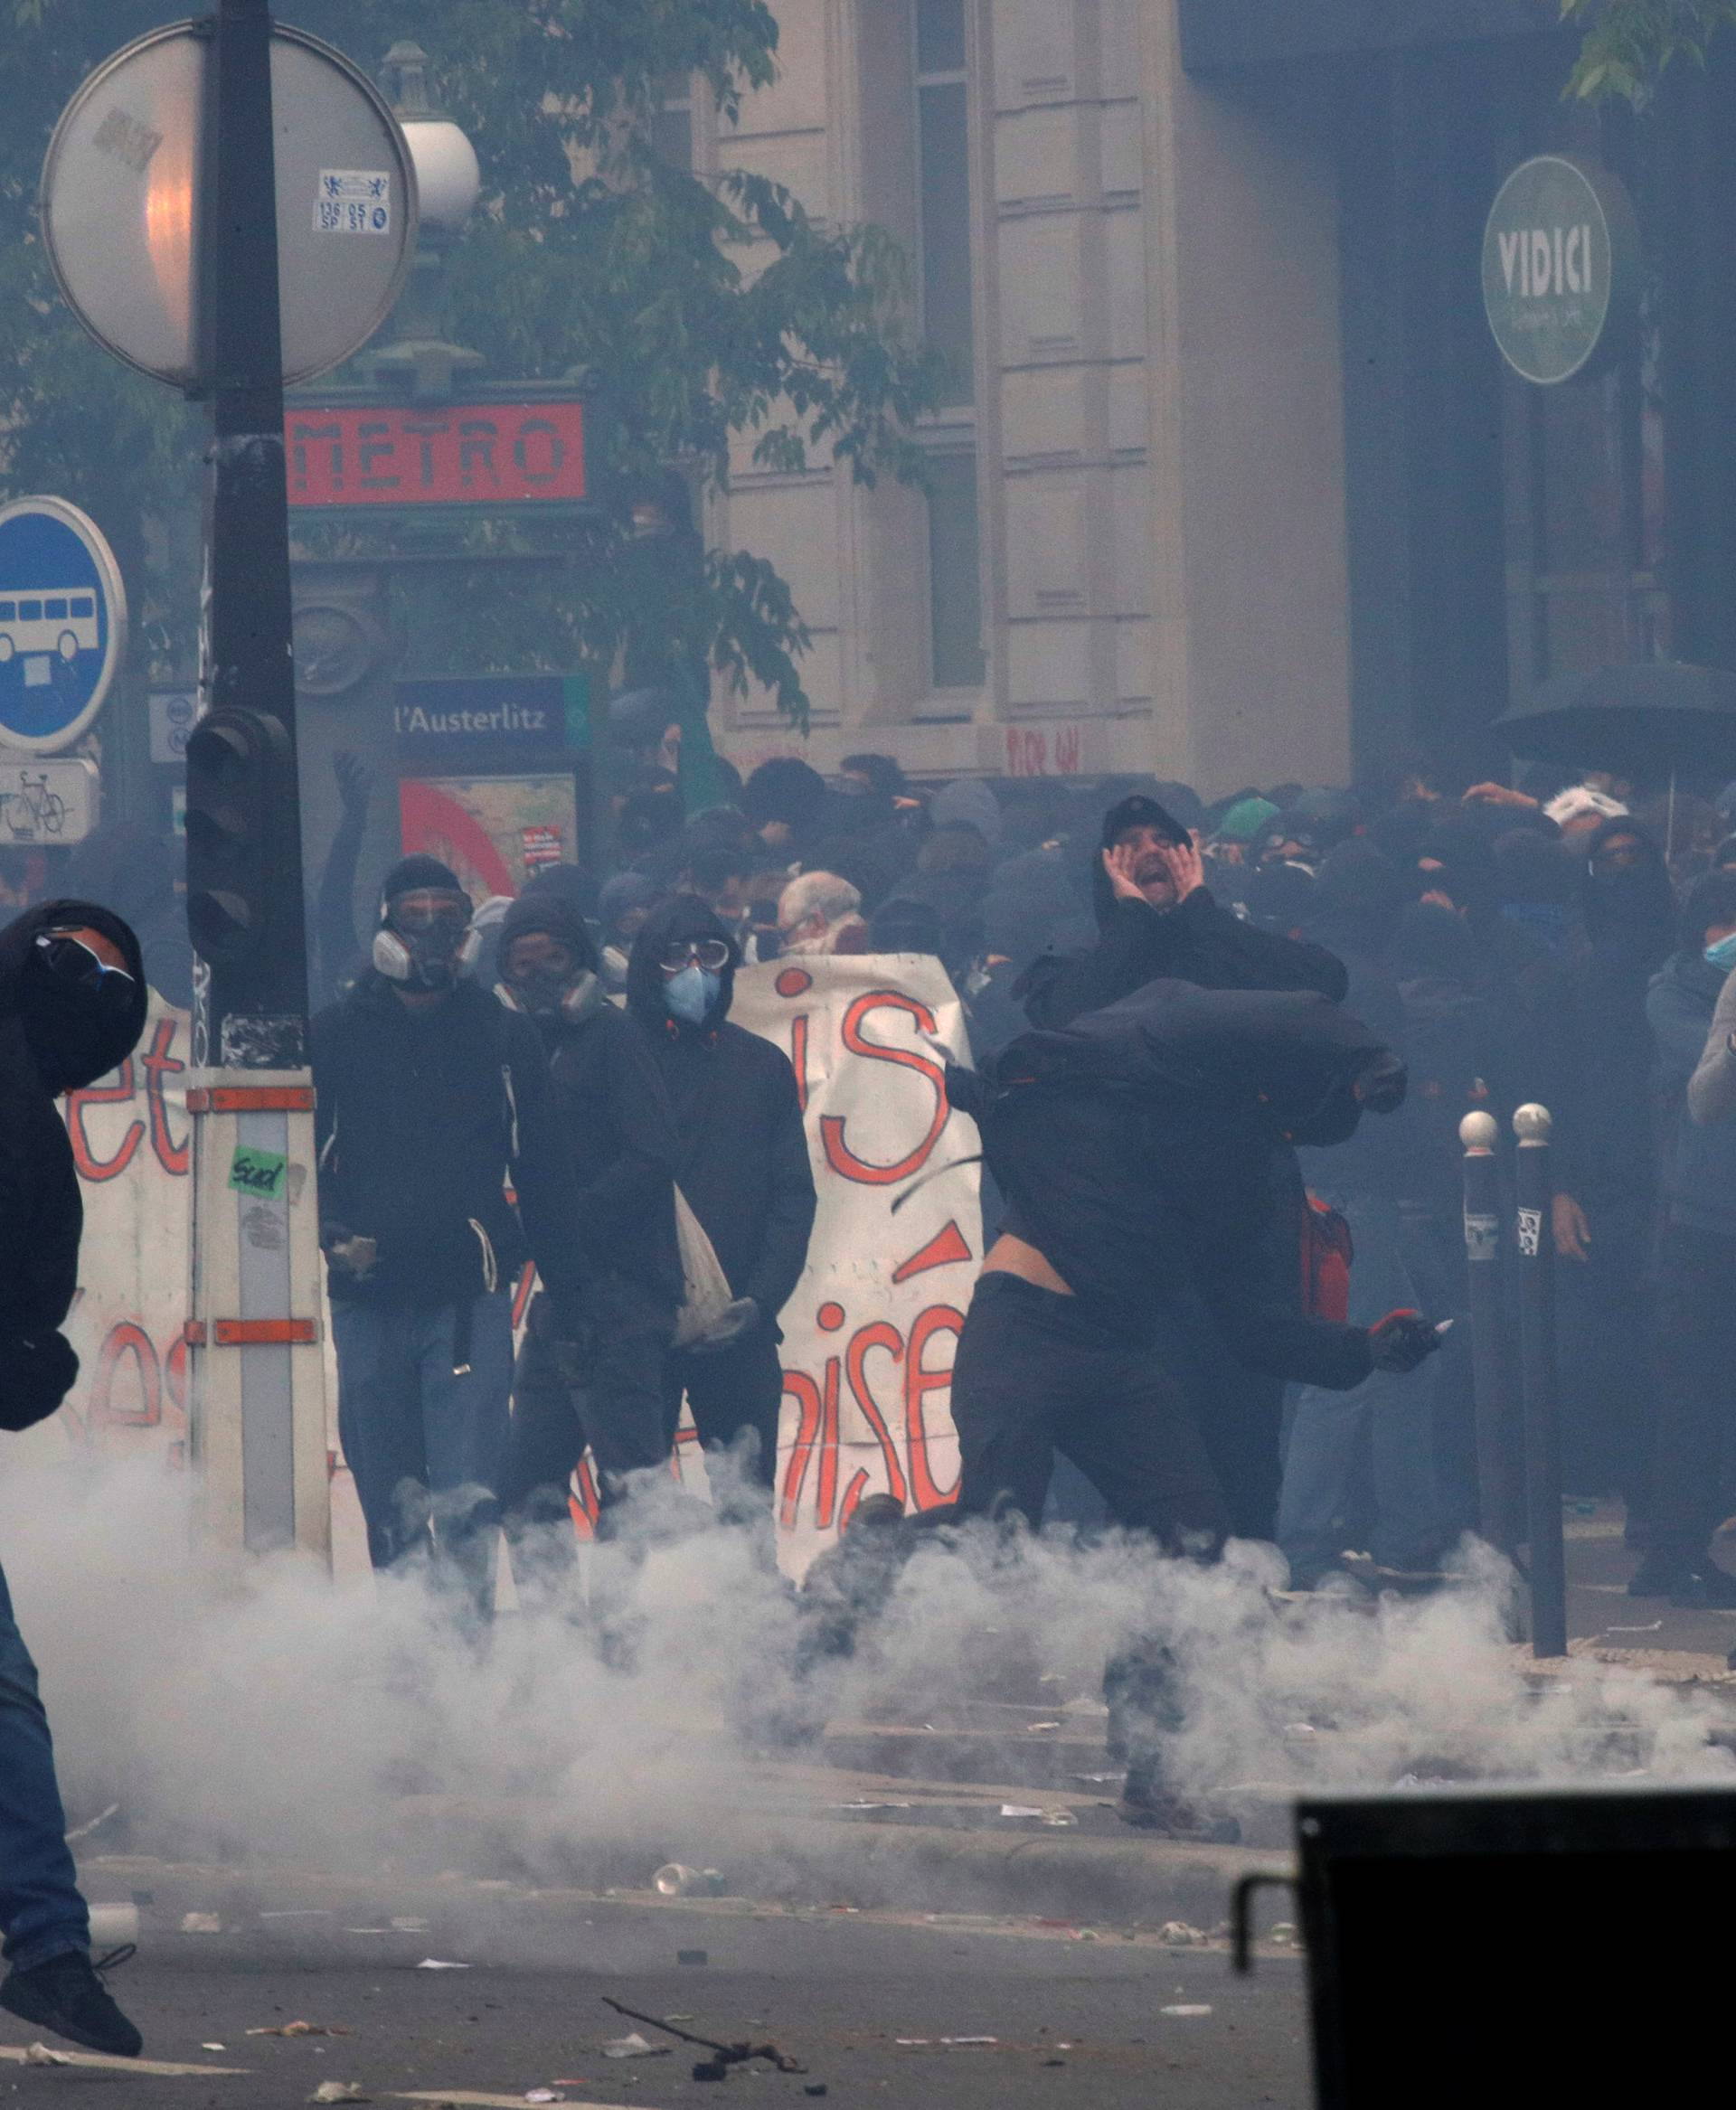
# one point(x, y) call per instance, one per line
point(1560, 268)
point(459, 454)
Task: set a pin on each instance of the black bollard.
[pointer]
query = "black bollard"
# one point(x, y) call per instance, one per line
point(1548, 1561)
point(1495, 1476)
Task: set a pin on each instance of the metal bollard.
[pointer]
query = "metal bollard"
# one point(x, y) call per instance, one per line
point(1548, 1558)
point(1479, 1132)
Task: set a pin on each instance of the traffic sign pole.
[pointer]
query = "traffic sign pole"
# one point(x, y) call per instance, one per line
point(259, 1389)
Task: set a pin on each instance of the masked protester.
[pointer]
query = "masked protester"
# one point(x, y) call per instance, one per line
point(1605, 1163)
point(1137, 1151)
point(72, 1002)
point(1158, 922)
point(742, 1165)
point(1696, 1312)
point(432, 1098)
point(610, 1098)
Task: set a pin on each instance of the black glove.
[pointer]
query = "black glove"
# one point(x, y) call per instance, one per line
point(1401, 1342)
point(35, 1376)
point(730, 1324)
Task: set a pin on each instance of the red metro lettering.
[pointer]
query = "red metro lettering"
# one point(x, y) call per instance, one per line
point(839, 1156)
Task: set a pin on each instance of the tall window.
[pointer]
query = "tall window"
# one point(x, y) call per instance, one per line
point(670, 129)
point(944, 235)
point(943, 148)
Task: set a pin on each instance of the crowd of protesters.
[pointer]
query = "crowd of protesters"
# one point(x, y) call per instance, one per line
point(1562, 943)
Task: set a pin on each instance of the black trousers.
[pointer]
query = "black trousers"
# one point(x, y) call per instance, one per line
point(1036, 1375)
point(739, 1391)
point(1696, 1411)
point(617, 1414)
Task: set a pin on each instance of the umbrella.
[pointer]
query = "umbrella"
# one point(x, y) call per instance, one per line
point(1646, 720)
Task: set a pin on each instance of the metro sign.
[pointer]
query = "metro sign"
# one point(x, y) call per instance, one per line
point(464, 453)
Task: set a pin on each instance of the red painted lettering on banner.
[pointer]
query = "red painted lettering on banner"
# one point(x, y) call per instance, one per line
point(799, 1386)
point(127, 1340)
point(158, 1063)
point(798, 1056)
point(119, 1094)
point(476, 454)
point(882, 1335)
point(919, 1383)
point(842, 1158)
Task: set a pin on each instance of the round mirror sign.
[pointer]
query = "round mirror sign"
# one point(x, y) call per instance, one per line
point(1560, 268)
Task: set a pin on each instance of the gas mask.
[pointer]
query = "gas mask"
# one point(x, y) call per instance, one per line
point(546, 996)
point(426, 953)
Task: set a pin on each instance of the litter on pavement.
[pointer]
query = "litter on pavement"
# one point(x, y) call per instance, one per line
point(439, 1963)
point(724, 2056)
point(201, 1923)
point(634, 2046)
point(339, 2092)
point(1178, 1935)
point(39, 2055)
point(300, 2029)
point(1019, 1810)
point(1188, 2010)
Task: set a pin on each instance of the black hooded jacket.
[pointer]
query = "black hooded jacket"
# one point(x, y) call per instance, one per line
point(742, 1160)
point(612, 1102)
point(1199, 942)
point(421, 1118)
point(1139, 1149)
point(49, 1045)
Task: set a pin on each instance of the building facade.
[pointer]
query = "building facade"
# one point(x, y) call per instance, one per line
point(1235, 486)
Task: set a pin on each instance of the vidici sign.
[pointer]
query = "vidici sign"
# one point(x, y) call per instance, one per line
point(1560, 268)
point(465, 454)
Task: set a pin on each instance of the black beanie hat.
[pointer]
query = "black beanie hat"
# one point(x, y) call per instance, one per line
point(418, 875)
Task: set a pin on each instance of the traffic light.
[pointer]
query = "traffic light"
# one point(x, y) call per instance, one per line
point(240, 800)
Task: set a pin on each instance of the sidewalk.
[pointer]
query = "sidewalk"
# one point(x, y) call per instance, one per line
point(1649, 1633)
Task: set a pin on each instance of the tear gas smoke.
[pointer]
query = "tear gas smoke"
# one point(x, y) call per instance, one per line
point(257, 1709)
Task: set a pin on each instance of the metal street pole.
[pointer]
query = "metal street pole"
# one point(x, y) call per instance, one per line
point(1548, 1555)
point(258, 1402)
point(257, 1002)
point(1479, 1133)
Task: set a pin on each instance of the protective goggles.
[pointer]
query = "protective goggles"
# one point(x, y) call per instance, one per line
point(69, 959)
point(452, 914)
point(712, 953)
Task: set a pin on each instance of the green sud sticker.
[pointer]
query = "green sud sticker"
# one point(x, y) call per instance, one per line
point(259, 1173)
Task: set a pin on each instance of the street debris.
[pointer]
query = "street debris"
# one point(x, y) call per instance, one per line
point(1283, 1934)
point(39, 2055)
point(958, 2041)
point(634, 2046)
point(862, 1807)
point(1059, 1820)
point(1100, 1779)
point(439, 1963)
point(676, 1879)
point(697, 1958)
point(213, 2047)
point(111, 1925)
point(1020, 1809)
point(299, 2030)
point(201, 1923)
point(543, 2095)
point(1185, 2010)
point(1037, 1728)
point(1651, 1626)
point(96, 1823)
point(340, 2092)
point(409, 1923)
point(1178, 1935)
point(723, 2055)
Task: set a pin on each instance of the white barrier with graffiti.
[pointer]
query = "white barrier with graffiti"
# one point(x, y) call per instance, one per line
point(869, 1335)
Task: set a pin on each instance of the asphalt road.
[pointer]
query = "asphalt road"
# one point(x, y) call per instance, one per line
point(1075, 2022)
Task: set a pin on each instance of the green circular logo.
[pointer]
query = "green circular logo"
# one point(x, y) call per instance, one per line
point(1559, 267)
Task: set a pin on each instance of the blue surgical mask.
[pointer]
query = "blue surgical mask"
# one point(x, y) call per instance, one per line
point(691, 994)
point(1722, 956)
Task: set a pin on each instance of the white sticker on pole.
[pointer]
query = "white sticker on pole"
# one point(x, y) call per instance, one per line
point(354, 200)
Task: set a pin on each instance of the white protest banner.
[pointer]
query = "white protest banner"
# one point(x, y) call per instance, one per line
point(869, 1334)
point(132, 1143)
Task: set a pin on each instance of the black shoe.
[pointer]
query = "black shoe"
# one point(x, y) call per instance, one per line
point(67, 1996)
point(1660, 1575)
point(1707, 1589)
